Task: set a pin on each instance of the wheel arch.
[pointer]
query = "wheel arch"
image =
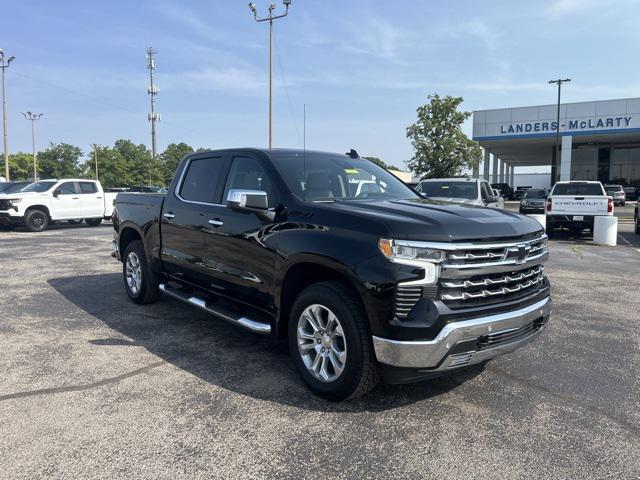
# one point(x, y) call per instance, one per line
point(44, 208)
point(305, 271)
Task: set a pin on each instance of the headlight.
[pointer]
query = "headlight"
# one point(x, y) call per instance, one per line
point(13, 201)
point(414, 254)
point(525, 203)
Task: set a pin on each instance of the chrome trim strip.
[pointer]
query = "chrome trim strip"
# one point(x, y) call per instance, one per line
point(468, 246)
point(523, 274)
point(429, 353)
point(247, 323)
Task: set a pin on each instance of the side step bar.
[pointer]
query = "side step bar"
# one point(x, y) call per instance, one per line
point(247, 323)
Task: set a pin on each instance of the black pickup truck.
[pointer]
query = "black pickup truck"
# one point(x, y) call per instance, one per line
point(366, 279)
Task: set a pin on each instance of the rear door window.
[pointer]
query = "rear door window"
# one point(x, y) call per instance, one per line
point(88, 187)
point(201, 179)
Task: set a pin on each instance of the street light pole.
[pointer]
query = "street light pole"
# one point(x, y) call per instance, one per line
point(270, 18)
point(95, 157)
point(4, 66)
point(33, 117)
point(559, 82)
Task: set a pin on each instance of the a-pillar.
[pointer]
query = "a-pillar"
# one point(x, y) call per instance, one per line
point(494, 178)
point(565, 158)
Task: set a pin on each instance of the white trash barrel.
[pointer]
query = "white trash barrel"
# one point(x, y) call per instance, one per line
point(605, 230)
point(542, 219)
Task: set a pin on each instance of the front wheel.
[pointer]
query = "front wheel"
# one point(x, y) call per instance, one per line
point(93, 222)
point(330, 342)
point(36, 220)
point(139, 281)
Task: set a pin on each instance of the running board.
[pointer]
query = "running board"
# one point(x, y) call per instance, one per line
point(247, 323)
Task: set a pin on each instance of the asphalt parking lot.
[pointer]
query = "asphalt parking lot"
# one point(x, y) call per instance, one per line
point(93, 386)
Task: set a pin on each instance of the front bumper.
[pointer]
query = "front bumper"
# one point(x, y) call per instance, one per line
point(467, 342)
point(10, 218)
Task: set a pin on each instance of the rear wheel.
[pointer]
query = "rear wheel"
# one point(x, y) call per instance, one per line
point(330, 342)
point(93, 222)
point(36, 220)
point(139, 281)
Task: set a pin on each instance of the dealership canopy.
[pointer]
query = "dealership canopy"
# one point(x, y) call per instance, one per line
point(598, 140)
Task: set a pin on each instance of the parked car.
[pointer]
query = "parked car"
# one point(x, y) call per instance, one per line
point(533, 201)
point(47, 201)
point(506, 191)
point(384, 284)
point(630, 192)
point(617, 192)
point(575, 204)
point(145, 189)
point(12, 187)
point(470, 191)
point(636, 218)
point(520, 192)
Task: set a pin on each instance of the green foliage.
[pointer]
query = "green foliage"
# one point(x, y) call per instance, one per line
point(170, 158)
point(378, 161)
point(20, 166)
point(59, 160)
point(441, 149)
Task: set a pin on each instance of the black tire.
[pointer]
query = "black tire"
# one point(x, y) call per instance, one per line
point(637, 224)
point(36, 220)
point(93, 222)
point(75, 222)
point(623, 204)
point(361, 372)
point(147, 290)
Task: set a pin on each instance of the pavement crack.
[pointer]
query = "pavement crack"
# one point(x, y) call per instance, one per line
point(621, 422)
point(80, 388)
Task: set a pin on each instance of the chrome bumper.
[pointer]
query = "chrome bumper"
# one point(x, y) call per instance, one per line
point(115, 249)
point(434, 354)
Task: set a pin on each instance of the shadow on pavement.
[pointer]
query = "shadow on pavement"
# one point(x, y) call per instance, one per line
point(223, 354)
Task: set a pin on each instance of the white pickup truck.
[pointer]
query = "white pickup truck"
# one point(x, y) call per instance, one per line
point(48, 201)
point(575, 204)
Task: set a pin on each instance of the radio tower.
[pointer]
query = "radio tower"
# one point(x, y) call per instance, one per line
point(153, 90)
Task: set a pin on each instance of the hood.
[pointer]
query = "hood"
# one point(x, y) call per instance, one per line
point(438, 221)
point(536, 201)
point(23, 195)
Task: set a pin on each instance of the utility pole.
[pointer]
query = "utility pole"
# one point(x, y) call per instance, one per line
point(270, 18)
point(153, 90)
point(4, 66)
point(95, 157)
point(33, 117)
point(554, 169)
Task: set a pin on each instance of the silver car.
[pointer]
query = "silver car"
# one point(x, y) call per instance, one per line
point(617, 192)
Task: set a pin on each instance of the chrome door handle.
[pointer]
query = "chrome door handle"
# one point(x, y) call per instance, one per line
point(169, 215)
point(75, 198)
point(216, 223)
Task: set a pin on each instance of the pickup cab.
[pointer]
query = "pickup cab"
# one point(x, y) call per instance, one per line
point(365, 284)
point(47, 201)
point(575, 204)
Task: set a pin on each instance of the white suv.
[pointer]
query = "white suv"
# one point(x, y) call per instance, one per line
point(47, 201)
point(471, 191)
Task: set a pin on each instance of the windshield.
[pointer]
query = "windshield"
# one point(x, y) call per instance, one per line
point(449, 189)
point(613, 188)
point(535, 194)
point(326, 176)
point(578, 189)
point(40, 186)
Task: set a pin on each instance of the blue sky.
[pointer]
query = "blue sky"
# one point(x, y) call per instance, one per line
point(361, 67)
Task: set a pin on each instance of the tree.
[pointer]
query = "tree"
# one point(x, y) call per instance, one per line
point(21, 166)
point(441, 149)
point(379, 162)
point(170, 158)
point(59, 160)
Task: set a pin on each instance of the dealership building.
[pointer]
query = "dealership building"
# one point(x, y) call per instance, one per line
point(597, 141)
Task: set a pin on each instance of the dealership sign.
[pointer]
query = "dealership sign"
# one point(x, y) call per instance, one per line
point(601, 123)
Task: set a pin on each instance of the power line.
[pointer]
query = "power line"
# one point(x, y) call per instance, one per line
point(286, 89)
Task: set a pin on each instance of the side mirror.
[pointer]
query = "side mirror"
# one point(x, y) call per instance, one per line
point(57, 192)
point(248, 199)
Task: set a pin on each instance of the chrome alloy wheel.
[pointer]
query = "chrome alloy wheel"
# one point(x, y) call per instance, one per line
point(134, 273)
point(321, 343)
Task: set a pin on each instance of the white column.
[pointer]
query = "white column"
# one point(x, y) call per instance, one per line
point(502, 167)
point(494, 178)
point(512, 179)
point(565, 158)
point(487, 160)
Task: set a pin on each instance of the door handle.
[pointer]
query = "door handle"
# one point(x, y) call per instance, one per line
point(216, 223)
point(168, 215)
point(99, 198)
point(75, 198)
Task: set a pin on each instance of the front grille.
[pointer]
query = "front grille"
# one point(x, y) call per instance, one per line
point(479, 255)
point(500, 338)
point(492, 285)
